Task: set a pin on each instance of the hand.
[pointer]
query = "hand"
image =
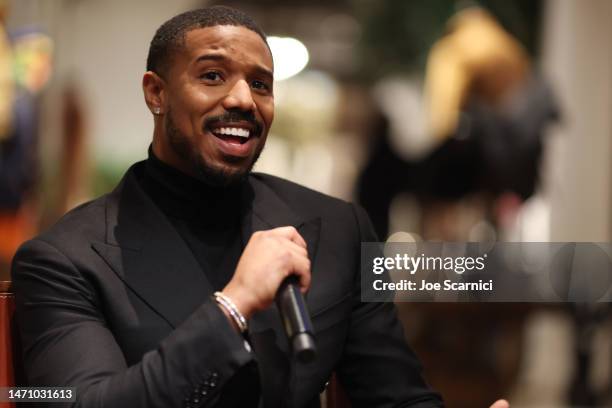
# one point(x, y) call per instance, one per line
point(269, 257)
point(500, 404)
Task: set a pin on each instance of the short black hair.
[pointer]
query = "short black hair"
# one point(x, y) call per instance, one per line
point(170, 36)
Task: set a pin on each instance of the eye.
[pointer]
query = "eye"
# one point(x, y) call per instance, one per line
point(211, 76)
point(260, 85)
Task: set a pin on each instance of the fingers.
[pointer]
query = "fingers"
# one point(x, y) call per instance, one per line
point(298, 249)
point(500, 404)
point(298, 246)
point(292, 240)
point(301, 268)
point(268, 259)
point(292, 234)
point(287, 243)
point(297, 263)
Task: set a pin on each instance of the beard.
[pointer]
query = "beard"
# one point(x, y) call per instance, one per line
point(212, 175)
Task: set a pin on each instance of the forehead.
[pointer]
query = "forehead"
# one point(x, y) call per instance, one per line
point(235, 42)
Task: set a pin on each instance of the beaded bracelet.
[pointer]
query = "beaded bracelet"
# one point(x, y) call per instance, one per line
point(227, 304)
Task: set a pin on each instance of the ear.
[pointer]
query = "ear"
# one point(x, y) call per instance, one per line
point(154, 89)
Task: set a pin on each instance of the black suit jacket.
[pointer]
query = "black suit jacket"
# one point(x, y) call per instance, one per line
point(112, 301)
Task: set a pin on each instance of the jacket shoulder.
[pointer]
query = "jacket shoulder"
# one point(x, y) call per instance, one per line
point(304, 200)
point(84, 223)
point(311, 203)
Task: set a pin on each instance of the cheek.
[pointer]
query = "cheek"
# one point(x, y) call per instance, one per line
point(194, 105)
point(267, 112)
point(192, 97)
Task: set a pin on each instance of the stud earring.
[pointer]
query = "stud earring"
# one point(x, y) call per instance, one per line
point(157, 110)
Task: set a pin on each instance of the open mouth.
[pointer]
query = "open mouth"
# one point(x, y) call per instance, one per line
point(235, 135)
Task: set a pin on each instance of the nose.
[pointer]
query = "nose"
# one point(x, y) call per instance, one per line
point(239, 97)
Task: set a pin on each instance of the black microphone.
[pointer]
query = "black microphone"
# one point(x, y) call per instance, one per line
point(296, 320)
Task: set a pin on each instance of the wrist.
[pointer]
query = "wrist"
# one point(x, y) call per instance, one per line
point(231, 311)
point(229, 317)
point(240, 300)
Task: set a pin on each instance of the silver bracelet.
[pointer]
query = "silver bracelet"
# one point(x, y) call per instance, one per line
point(227, 304)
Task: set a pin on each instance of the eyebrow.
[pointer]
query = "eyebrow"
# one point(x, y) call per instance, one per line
point(220, 57)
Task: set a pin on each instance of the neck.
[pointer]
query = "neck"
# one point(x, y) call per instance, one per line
point(186, 196)
point(167, 156)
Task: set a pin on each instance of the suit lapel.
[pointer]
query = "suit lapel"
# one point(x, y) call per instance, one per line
point(267, 335)
point(267, 211)
point(149, 255)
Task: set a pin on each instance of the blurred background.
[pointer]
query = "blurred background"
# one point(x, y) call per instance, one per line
point(447, 120)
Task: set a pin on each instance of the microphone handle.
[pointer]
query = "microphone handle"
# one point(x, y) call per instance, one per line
point(296, 320)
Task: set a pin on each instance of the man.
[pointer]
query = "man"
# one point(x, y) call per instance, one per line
point(116, 299)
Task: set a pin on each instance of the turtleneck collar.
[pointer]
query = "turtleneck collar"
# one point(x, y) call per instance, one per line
point(182, 196)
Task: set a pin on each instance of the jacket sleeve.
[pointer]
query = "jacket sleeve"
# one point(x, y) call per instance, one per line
point(377, 368)
point(67, 342)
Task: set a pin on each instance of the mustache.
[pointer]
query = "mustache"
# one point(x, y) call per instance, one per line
point(235, 117)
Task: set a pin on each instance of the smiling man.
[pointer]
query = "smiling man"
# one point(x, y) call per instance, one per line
point(214, 102)
point(160, 294)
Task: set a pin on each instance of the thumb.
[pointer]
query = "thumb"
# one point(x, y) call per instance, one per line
point(500, 404)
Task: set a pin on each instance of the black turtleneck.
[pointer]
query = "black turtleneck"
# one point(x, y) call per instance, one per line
point(205, 216)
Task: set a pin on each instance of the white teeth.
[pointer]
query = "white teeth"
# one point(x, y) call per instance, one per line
point(231, 131)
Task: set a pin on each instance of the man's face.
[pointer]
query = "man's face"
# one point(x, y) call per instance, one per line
point(217, 103)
